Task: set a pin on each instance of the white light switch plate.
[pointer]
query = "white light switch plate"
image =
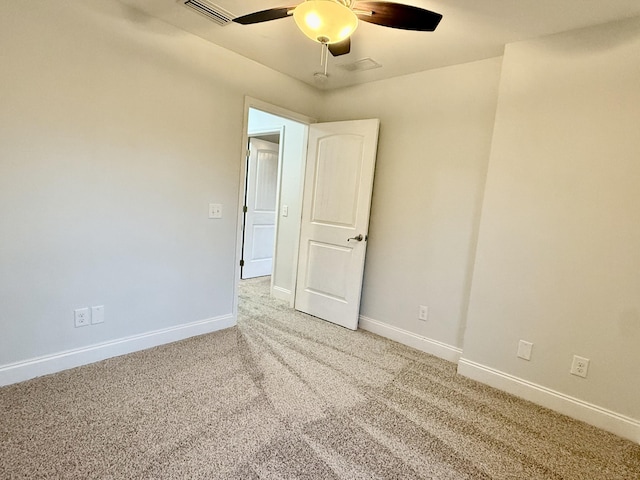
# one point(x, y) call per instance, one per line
point(215, 210)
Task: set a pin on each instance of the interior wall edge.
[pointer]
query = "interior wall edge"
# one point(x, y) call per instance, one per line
point(575, 408)
point(57, 362)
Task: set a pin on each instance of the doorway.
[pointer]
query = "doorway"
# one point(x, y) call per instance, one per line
point(330, 228)
point(268, 122)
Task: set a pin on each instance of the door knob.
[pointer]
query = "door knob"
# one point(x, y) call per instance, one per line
point(358, 238)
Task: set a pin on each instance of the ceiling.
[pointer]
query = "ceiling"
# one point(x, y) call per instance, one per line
point(470, 30)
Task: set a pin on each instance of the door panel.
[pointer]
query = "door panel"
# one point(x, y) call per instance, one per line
point(335, 218)
point(262, 244)
point(266, 176)
point(323, 261)
point(259, 227)
point(337, 179)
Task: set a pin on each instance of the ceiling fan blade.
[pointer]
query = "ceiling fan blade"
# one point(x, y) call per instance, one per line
point(340, 48)
point(397, 15)
point(263, 16)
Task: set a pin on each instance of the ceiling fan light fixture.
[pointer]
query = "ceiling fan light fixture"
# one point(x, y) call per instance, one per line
point(325, 21)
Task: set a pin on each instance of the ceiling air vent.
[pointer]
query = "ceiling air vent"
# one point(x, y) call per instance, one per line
point(210, 10)
point(360, 65)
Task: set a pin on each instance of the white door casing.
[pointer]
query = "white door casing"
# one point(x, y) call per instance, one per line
point(335, 218)
point(260, 218)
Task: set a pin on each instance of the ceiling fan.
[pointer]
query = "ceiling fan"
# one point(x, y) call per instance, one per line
point(331, 22)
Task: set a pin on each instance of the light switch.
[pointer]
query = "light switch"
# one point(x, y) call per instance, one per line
point(215, 210)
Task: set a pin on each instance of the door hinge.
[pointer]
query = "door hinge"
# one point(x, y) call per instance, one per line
point(242, 263)
point(248, 153)
point(244, 208)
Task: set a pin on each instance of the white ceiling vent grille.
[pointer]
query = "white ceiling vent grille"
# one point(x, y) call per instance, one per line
point(210, 10)
point(360, 65)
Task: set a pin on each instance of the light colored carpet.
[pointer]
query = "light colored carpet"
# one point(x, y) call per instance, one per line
point(287, 396)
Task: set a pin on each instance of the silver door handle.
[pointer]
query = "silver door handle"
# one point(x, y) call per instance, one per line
point(358, 238)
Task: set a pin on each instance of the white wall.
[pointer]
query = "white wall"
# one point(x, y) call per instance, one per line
point(558, 258)
point(294, 148)
point(116, 131)
point(435, 136)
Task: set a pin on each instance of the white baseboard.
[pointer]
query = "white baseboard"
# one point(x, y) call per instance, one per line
point(572, 407)
point(424, 344)
point(36, 367)
point(281, 293)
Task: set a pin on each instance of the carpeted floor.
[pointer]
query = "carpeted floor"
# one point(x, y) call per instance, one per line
point(287, 396)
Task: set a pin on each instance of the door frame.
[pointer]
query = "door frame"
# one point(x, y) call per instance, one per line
point(250, 102)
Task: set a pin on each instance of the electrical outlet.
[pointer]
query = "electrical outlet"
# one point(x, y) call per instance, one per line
point(81, 317)
point(423, 313)
point(524, 350)
point(97, 314)
point(580, 366)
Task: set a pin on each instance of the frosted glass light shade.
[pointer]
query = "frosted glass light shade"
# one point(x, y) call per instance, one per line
point(325, 21)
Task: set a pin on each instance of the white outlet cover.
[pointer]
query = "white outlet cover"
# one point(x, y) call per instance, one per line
point(423, 312)
point(579, 366)
point(81, 317)
point(524, 350)
point(97, 314)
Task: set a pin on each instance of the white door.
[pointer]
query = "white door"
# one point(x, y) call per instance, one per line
point(260, 217)
point(335, 218)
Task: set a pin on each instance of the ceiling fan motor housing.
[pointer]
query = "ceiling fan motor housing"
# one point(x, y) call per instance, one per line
point(325, 21)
